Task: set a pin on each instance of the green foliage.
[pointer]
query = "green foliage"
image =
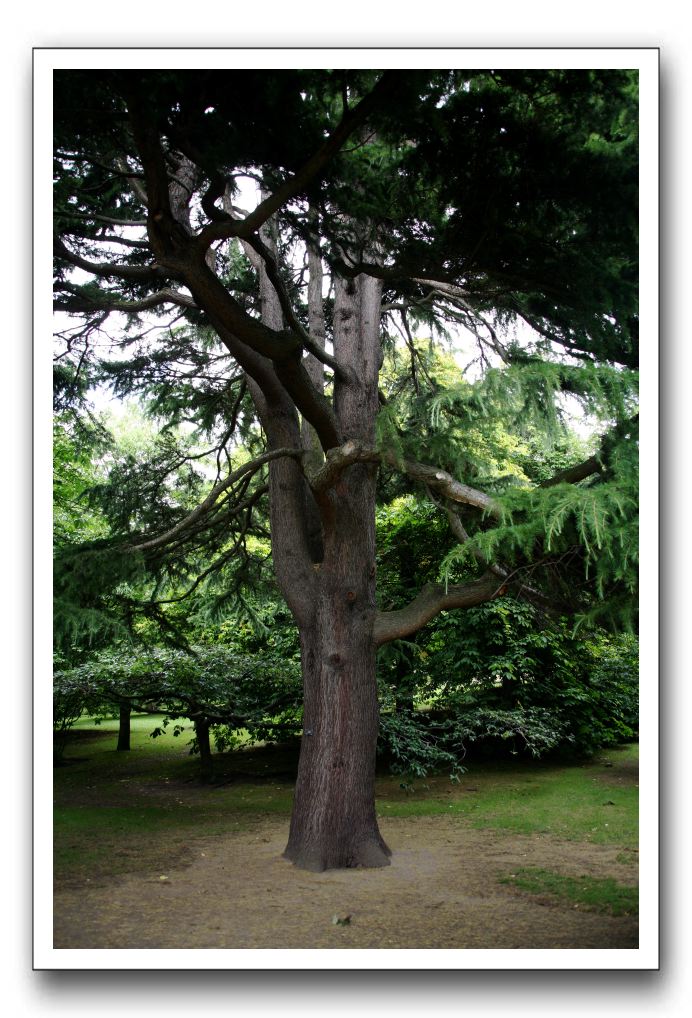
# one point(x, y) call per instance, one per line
point(78, 445)
point(578, 536)
point(497, 680)
point(149, 487)
point(70, 702)
point(415, 744)
point(212, 684)
point(261, 625)
point(504, 656)
point(508, 435)
point(534, 730)
point(411, 538)
point(413, 751)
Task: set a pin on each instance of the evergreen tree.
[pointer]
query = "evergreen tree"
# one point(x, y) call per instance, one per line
point(411, 201)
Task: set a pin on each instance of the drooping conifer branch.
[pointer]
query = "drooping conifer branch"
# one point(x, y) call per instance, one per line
point(109, 270)
point(82, 301)
point(252, 466)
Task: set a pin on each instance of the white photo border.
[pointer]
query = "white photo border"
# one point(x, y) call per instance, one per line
point(646, 61)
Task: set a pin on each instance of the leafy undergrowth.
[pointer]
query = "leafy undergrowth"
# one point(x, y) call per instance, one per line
point(124, 812)
point(593, 894)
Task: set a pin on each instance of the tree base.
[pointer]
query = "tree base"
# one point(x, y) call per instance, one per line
point(369, 854)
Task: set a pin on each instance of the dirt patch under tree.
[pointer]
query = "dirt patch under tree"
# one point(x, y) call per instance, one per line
point(442, 890)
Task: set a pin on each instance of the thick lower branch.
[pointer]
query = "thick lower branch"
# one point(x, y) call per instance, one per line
point(433, 599)
point(579, 472)
point(353, 451)
point(443, 482)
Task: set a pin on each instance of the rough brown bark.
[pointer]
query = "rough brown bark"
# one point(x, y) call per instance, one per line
point(334, 824)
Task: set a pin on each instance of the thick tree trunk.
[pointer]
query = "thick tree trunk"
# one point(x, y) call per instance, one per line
point(124, 728)
point(334, 824)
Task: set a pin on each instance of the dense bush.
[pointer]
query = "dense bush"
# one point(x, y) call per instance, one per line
point(498, 679)
point(214, 685)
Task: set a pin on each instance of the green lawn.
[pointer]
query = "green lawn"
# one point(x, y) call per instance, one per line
point(593, 894)
point(587, 802)
point(118, 812)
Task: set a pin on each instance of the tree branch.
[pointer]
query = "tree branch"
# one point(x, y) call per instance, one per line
point(434, 598)
point(239, 330)
point(309, 171)
point(81, 302)
point(594, 464)
point(93, 217)
point(136, 273)
point(443, 482)
point(353, 451)
point(578, 472)
point(135, 181)
point(204, 507)
point(306, 340)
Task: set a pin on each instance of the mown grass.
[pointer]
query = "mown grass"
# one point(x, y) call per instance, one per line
point(120, 812)
point(593, 894)
point(589, 802)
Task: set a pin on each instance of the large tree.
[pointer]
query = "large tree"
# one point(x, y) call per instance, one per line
point(386, 200)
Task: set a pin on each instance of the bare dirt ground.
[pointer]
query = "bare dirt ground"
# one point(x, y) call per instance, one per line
point(442, 890)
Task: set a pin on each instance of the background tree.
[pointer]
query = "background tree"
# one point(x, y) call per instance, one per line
point(474, 199)
point(214, 687)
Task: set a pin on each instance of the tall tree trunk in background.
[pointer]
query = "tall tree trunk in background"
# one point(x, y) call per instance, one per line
point(124, 728)
point(204, 747)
